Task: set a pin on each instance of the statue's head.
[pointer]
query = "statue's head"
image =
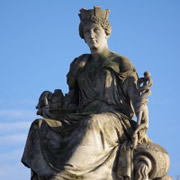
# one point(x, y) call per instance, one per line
point(97, 16)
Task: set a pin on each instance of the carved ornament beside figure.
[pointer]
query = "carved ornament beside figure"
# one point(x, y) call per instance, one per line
point(89, 132)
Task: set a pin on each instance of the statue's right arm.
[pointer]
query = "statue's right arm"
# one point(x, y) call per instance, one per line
point(70, 100)
point(72, 97)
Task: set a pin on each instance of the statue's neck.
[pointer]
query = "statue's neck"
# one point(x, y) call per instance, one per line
point(97, 54)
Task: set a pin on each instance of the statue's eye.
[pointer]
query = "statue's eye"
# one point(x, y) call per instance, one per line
point(97, 30)
point(86, 31)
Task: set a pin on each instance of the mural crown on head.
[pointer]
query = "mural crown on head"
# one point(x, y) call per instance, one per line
point(95, 15)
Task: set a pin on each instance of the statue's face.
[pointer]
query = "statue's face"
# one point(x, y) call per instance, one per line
point(94, 35)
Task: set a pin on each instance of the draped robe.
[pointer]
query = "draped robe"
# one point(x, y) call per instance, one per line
point(86, 143)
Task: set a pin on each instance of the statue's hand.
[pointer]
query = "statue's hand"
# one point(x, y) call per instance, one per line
point(46, 113)
point(142, 126)
point(138, 136)
point(140, 105)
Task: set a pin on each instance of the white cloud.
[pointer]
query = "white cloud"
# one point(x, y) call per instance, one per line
point(32, 102)
point(11, 127)
point(14, 171)
point(16, 113)
point(28, 102)
point(11, 166)
point(14, 139)
point(8, 157)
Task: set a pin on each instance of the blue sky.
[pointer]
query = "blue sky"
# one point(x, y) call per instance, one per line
point(38, 41)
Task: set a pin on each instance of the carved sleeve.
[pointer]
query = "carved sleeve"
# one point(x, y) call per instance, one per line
point(71, 99)
point(137, 90)
point(129, 79)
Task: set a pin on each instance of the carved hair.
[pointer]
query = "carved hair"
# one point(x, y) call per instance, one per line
point(96, 15)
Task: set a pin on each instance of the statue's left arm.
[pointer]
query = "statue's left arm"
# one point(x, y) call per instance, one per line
point(137, 89)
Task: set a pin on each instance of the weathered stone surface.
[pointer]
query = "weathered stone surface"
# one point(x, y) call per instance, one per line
point(89, 132)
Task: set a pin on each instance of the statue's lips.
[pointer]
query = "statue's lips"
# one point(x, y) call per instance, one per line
point(93, 41)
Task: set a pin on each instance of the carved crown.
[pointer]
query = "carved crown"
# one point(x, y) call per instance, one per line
point(96, 15)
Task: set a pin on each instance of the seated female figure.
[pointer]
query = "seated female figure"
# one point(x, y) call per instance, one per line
point(89, 133)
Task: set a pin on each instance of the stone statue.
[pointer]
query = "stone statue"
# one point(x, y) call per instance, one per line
point(89, 133)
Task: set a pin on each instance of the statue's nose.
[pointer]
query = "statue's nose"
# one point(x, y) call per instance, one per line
point(91, 34)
